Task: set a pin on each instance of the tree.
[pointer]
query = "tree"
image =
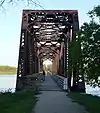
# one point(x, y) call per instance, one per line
point(28, 2)
point(89, 34)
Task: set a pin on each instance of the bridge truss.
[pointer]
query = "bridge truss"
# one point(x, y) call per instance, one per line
point(47, 34)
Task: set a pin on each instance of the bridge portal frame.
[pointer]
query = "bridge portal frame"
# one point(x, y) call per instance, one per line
point(28, 60)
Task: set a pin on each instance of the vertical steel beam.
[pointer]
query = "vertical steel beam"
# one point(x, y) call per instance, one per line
point(30, 54)
point(77, 84)
point(22, 60)
point(69, 66)
point(65, 56)
point(62, 62)
point(38, 65)
point(33, 54)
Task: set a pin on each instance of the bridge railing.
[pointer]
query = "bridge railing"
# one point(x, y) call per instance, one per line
point(29, 78)
point(61, 81)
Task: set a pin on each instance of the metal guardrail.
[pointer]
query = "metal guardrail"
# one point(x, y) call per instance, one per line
point(38, 76)
point(61, 81)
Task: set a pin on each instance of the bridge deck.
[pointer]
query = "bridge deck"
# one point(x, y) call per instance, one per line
point(53, 100)
point(49, 85)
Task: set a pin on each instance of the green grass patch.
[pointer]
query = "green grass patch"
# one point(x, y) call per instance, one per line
point(92, 103)
point(19, 102)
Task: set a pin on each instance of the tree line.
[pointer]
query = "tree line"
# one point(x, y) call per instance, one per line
point(7, 70)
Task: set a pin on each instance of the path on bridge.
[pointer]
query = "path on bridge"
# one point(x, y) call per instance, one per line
point(53, 100)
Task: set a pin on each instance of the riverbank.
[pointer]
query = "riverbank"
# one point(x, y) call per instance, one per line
point(7, 70)
point(92, 103)
point(22, 101)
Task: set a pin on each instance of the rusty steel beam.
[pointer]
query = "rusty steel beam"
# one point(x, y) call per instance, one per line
point(50, 11)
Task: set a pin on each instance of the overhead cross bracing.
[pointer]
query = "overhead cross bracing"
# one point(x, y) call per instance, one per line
point(45, 34)
point(48, 27)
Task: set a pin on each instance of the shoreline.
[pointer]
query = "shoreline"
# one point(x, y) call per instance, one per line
point(10, 73)
point(7, 70)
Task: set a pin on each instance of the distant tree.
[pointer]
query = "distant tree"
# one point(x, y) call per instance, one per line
point(49, 67)
point(44, 67)
point(7, 69)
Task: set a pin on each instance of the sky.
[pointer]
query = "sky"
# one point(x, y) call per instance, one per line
point(10, 23)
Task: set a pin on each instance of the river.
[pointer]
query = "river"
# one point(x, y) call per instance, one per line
point(9, 82)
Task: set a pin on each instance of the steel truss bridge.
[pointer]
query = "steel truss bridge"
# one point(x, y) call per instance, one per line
point(46, 34)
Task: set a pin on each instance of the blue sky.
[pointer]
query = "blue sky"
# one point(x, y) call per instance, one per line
point(10, 23)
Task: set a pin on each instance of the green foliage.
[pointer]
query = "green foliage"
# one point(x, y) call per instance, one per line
point(92, 103)
point(49, 67)
point(89, 35)
point(7, 70)
point(95, 12)
point(44, 67)
point(19, 102)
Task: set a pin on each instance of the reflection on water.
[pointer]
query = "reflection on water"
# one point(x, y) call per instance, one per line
point(9, 82)
point(93, 91)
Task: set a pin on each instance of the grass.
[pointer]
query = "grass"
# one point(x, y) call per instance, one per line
point(92, 103)
point(19, 102)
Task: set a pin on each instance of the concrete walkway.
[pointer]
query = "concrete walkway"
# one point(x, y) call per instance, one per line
point(53, 100)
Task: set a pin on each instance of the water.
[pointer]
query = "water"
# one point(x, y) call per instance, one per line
point(93, 91)
point(9, 82)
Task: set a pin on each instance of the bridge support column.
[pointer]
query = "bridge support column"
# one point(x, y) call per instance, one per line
point(59, 69)
point(69, 66)
point(78, 77)
point(23, 60)
point(41, 65)
point(54, 65)
point(30, 53)
point(58, 61)
point(65, 56)
point(62, 59)
point(38, 65)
